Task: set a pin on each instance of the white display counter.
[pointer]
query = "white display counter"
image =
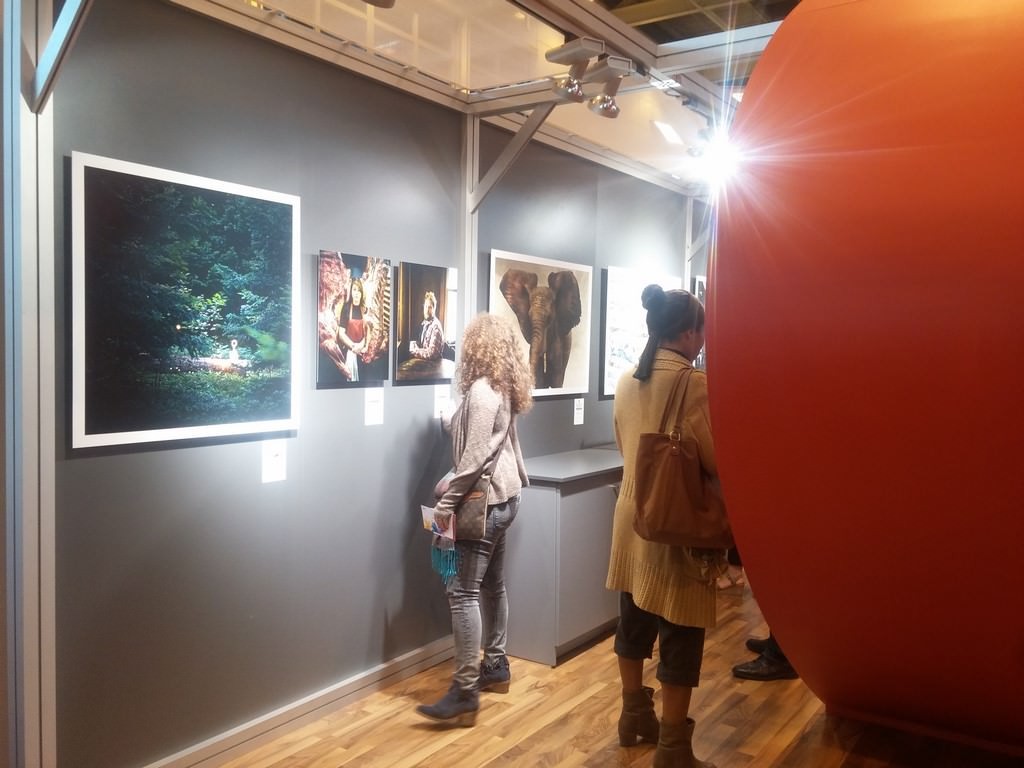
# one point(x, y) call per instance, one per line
point(557, 554)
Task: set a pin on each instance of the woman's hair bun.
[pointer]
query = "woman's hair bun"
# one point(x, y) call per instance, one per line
point(652, 297)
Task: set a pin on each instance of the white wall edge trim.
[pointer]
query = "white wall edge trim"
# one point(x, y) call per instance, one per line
point(248, 736)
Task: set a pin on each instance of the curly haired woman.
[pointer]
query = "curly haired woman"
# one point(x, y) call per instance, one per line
point(494, 378)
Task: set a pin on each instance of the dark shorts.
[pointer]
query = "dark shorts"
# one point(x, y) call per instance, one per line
point(680, 649)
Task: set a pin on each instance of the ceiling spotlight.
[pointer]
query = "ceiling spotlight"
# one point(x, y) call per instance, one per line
point(381, 3)
point(570, 87)
point(604, 103)
point(577, 54)
point(610, 71)
point(580, 49)
point(609, 68)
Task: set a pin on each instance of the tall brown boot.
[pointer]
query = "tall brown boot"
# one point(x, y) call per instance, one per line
point(638, 719)
point(675, 747)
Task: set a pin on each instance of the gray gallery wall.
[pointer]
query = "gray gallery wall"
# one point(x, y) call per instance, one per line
point(191, 597)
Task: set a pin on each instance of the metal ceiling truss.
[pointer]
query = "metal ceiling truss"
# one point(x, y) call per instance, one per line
point(583, 18)
point(672, 68)
point(718, 48)
point(663, 64)
point(575, 145)
point(61, 38)
point(508, 155)
point(655, 11)
point(274, 25)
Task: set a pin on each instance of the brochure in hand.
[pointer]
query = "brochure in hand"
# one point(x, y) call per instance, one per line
point(431, 525)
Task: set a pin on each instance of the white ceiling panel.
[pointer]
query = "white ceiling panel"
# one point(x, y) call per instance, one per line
point(488, 57)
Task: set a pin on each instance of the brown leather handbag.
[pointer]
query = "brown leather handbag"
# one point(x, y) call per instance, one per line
point(677, 502)
point(470, 518)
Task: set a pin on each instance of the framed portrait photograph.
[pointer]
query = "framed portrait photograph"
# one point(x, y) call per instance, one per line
point(699, 288)
point(184, 305)
point(550, 303)
point(353, 320)
point(624, 321)
point(425, 317)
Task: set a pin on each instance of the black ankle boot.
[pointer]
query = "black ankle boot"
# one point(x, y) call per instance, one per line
point(495, 677)
point(458, 707)
point(638, 720)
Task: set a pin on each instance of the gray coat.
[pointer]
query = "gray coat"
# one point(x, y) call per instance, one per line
point(481, 423)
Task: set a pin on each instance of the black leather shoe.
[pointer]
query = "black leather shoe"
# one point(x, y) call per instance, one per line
point(757, 644)
point(763, 668)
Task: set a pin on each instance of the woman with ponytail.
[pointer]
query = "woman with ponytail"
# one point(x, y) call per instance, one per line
point(667, 593)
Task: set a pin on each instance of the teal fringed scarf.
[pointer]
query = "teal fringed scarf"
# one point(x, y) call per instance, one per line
point(444, 559)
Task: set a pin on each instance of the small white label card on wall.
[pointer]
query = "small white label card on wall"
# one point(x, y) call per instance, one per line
point(374, 410)
point(577, 411)
point(442, 399)
point(275, 461)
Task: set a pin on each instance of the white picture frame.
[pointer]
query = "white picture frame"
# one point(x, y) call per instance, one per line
point(184, 306)
point(624, 321)
point(514, 277)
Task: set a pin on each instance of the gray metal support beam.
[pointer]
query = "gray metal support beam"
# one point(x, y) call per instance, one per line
point(468, 238)
point(687, 242)
point(63, 35)
point(700, 52)
point(10, 69)
point(28, 390)
point(508, 155)
point(584, 18)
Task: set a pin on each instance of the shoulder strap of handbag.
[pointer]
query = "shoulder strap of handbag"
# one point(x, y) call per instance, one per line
point(674, 405)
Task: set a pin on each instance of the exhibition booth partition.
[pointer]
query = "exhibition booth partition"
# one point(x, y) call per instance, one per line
point(258, 294)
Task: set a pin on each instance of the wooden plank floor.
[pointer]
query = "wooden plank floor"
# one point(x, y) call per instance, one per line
point(567, 716)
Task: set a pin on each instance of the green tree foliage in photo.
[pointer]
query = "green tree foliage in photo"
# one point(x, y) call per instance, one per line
point(174, 273)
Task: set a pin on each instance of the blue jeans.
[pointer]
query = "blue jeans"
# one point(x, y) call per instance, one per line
point(477, 596)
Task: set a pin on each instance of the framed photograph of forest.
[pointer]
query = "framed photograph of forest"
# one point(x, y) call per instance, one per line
point(549, 301)
point(184, 305)
point(624, 321)
point(425, 324)
point(353, 320)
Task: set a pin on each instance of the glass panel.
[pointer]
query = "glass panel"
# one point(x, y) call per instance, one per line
point(469, 45)
point(667, 21)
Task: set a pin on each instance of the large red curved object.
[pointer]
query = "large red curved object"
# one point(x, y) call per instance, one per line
point(866, 353)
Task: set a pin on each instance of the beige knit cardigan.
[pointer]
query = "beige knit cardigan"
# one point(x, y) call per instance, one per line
point(664, 580)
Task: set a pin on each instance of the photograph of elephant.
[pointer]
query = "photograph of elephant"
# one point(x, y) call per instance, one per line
point(184, 306)
point(353, 320)
point(424, 350)
point(550, 302)
point(624, 321)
